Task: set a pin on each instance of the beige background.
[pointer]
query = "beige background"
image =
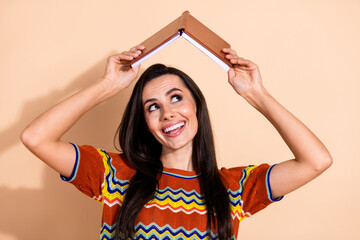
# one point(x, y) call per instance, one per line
point(308, 53)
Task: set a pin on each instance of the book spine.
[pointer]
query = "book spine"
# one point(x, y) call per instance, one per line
point(184, 21)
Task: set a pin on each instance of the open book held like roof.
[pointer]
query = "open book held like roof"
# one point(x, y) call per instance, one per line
point(193, 31)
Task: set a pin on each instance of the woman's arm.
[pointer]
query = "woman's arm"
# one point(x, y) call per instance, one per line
point(311, 156)
point(42, 136)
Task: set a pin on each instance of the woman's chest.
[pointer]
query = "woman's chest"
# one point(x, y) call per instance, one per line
point(175, 211)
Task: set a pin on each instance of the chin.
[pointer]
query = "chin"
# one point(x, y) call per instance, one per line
point(176, 146)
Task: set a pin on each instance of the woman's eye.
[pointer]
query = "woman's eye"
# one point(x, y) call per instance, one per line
point(152, 107)
point(176, 98)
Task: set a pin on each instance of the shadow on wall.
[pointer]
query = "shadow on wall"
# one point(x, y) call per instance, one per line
point(59, 211)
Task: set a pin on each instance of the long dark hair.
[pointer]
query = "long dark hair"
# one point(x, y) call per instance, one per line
point(142, 151)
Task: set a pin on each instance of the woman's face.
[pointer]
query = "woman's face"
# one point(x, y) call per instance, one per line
point(170, 112)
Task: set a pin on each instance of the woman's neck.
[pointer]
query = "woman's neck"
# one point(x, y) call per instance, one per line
point(179, 158)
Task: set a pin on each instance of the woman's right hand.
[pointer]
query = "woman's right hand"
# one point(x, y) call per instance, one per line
point(43, 135)
point(118, 71)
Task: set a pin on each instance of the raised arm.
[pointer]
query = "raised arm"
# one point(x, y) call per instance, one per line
point(311, 156)
point(43, 135)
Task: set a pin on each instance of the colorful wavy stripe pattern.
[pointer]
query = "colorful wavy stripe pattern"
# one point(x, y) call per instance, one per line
point(113, 188)
point(153, 231)
point(178, 200)
point(156, 232)
point(107, 232)
point(189, 202)
point(238, 208)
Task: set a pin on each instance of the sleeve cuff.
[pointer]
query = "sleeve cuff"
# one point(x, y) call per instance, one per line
point(76, 166)
point(268, 187)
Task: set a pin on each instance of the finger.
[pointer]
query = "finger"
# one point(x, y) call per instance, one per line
point(243, 63)
point(132, 50)
point(229, 51)
point(128, 55)
point(236, 57)
point(120, 57)
point(240, 61)
point(231, 56)
point(133, 53)
point(138, 48)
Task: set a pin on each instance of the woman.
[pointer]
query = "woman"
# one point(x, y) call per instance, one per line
point(168, 167)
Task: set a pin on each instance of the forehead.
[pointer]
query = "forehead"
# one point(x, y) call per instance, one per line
point(162, 84)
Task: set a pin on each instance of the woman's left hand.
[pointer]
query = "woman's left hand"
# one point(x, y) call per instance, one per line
point(311, 156)
point(245, 76)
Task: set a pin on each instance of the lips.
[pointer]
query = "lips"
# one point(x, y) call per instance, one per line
point(173, 129)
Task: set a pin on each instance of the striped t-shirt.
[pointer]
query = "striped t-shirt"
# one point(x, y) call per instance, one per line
point(177, 210)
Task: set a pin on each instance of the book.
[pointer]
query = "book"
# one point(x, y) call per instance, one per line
point(193, 31)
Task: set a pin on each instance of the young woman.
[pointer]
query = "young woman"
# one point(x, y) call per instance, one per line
point(167, 167)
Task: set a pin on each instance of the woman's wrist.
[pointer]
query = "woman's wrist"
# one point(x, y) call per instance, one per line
point(256, 97)
point(108, 88)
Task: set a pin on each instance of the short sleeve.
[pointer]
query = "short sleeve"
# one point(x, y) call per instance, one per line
point(88, 171)
point(251, 184)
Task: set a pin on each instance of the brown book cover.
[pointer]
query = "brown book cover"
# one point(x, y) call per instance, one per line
point(192, 28)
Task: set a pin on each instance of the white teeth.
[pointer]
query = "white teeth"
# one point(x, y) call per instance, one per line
point(179, 125)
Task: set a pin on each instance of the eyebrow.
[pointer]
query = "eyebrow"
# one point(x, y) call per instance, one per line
point(167, 94)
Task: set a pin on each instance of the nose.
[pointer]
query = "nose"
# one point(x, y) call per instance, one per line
point(167, 113)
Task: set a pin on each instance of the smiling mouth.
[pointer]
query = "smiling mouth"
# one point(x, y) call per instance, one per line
point(174, 130)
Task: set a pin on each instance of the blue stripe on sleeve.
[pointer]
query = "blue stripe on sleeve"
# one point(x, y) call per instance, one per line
point(268, 187)
point(76, 165)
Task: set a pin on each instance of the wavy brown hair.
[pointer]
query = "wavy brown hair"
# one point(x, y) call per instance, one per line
point(142, 151)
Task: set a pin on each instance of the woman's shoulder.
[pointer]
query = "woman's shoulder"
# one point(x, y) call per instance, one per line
point(120, 157)
point(236, 174)
point(241, 169)
point(116, 164)
point(109, 158)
